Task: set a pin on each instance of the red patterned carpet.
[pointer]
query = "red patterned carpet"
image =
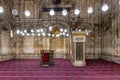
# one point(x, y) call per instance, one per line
point(62, 70)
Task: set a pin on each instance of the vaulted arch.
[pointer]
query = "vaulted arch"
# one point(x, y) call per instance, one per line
point(4, 25)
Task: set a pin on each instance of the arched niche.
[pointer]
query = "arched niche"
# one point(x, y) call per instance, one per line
point(4, 25)
point(89, 45)
point(5, 40)
point(60, 45)
point(85, 26)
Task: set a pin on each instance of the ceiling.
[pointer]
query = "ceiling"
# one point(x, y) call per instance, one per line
point(38, 15)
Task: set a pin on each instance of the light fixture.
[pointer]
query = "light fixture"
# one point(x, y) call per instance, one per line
point(87, 33)
point(79, 29)
point(32, 30)
point(14, 12)
point(11, 34)
point(90, 10)
point(41, 30)
point(23, 34)
point(67, 34)
point(27, 13)
point(43, 34)
point(33, 34)
point(52, 12)
point(63, 33)
point(60, 33)
point(65, 30)
point(18, 31)
point(77, 11)
point(64, 12)
point(25, 31)
point(53, 35)
point(57, 35)
point(105, 7)
point(38, 30)
point(50, 28)
point(119, 1)
point(49, 34)
point(38, 34)
point(61, 30)
point(1, 9)
point(28, 34)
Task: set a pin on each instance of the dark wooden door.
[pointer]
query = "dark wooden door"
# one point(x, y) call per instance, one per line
point(79, 50)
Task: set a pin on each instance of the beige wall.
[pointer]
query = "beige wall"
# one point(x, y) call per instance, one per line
point(105, 44)
point(31, 46)
point(93, 44)
point(111, 42)
point(5, 46)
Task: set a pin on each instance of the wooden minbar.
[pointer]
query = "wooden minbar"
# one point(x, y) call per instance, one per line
point(78, 47)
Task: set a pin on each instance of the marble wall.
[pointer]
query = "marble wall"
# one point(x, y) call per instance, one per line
point(31, 46)
point(5, 46)
point(111, 42)
point(93, 44)
point(99, 44)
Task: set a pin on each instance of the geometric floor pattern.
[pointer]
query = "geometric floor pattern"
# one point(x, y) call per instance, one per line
point(30, 69)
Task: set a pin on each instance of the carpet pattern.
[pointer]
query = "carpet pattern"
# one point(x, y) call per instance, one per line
point(30, 69)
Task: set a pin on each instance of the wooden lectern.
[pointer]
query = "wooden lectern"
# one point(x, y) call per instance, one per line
point(47, 57)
